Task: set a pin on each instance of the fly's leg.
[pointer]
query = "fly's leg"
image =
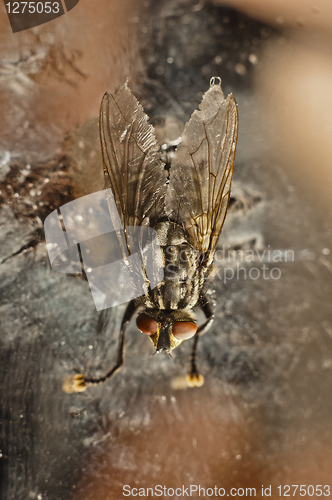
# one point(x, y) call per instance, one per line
point(79, 383)
point(194, 378)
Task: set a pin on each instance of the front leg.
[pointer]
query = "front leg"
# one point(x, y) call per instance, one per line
point(194, 378)
point(79, 383)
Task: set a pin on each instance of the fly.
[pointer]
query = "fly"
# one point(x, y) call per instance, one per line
point(185, 204)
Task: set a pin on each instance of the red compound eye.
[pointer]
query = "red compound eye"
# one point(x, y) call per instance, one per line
point(183, 330)
point(146, 325)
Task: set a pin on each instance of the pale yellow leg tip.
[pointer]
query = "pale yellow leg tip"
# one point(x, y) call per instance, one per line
point(195, 380)
point(74, 384)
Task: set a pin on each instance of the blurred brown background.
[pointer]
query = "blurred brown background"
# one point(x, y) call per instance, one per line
point(294, 83)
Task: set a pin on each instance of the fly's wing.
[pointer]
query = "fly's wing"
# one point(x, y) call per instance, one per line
point(132, 165)
point(201, 171)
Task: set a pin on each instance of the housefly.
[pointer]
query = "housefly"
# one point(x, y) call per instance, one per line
point(185, 203)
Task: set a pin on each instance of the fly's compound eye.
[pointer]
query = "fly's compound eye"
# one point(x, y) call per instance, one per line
point(146, 325)
point(183, 330)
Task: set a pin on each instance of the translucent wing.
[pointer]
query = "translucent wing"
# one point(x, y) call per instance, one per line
point(201, 171)
point(132, 165)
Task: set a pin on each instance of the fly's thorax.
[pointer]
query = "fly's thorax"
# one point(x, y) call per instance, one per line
point(169, 234)
point(167, 328)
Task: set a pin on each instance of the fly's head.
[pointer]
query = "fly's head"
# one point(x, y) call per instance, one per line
point(166, 328)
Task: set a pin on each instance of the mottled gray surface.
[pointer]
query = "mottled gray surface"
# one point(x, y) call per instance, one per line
point(263, 415)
